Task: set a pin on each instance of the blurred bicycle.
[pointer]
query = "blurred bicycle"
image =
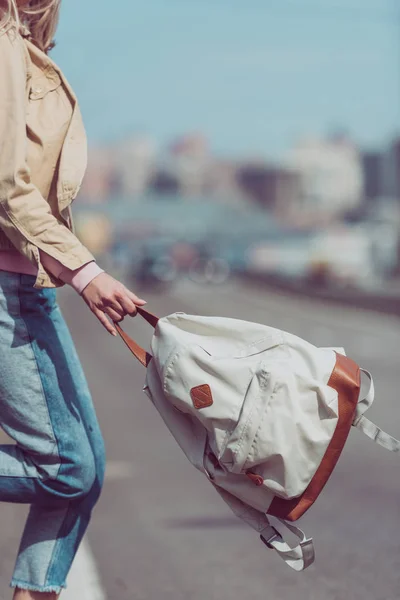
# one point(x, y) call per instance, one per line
point(210, 270)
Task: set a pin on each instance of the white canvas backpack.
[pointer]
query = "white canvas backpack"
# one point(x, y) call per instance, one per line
point(262, 413)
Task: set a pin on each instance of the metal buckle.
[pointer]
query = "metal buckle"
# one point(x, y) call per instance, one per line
point(274, 536)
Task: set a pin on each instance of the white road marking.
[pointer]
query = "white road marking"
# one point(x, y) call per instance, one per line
point(84, 580)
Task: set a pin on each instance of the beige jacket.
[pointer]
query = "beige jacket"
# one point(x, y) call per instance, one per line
point(43, 155)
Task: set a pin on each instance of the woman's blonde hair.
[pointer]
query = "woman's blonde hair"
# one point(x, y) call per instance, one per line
point(40, 17)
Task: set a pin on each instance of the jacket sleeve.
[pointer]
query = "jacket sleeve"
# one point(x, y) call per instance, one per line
point(79, 279)
point(25, 216)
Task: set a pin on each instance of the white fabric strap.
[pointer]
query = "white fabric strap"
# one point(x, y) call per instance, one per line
point(298, 558)
point(368, 427)
point(255, 518)
point(376, 434)
point(365, 403)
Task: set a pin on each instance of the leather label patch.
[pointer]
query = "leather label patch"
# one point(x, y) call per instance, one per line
point(201, 396)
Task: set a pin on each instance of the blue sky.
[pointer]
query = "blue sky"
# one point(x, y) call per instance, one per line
point(252, 75)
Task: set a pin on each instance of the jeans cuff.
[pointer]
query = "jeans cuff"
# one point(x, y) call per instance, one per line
point(23, 585)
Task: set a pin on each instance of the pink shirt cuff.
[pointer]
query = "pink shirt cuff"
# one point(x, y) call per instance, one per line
point(78, 279)
point(81, 278)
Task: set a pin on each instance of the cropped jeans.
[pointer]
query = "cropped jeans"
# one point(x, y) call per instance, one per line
point(57, 462)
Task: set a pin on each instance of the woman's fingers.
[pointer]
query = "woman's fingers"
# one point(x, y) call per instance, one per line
point(127, 304)
point(124, 303)
point(113, 302)
point(135, 299)
point(106, 296)
point(104, 321)
point(118, 307)
point(113, 314)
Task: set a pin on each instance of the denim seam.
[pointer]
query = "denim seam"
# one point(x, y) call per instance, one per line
point(56, 551)
point(55, 443)
point(2, 476)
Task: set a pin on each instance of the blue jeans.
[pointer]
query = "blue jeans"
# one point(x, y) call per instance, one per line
point(57, 464)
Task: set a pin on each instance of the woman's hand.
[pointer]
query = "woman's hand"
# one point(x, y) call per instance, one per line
point(106, 296)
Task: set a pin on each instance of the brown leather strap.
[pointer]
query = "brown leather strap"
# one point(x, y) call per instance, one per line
point(345, 379)
point(138, 352)
point(150, 318)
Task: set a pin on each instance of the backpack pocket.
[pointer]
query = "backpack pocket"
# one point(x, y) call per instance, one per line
point(294, 430)
point(226, 394)
point(211, 390)
point(239, 442)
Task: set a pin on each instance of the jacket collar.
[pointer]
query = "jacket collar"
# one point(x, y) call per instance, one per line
point(45, 64)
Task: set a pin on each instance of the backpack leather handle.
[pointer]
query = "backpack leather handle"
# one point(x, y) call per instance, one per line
point(138, 352)
point(148, 316)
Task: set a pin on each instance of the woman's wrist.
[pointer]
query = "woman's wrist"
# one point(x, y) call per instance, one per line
point(80, 278)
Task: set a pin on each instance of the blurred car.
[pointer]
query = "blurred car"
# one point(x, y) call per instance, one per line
point(287, 256)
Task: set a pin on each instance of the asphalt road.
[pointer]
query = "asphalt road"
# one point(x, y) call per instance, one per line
point(160, 532)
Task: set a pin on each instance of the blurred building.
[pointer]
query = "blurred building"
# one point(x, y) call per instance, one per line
point(136, 158)
point(272, 187)
point(372, 163)
point(223, 181)
point(164, 183)
point(101, 179)
point(189, 161)
point(391, 170)
point(331, 175)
